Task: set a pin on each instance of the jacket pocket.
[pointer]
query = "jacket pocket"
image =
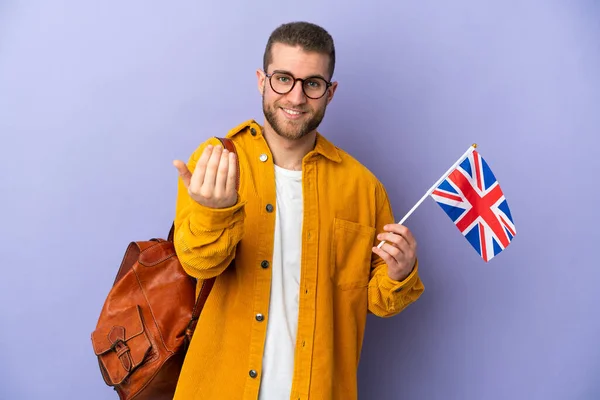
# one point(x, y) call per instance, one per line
point(351, 246)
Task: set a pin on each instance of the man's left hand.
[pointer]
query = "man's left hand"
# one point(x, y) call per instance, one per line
point(399, 251)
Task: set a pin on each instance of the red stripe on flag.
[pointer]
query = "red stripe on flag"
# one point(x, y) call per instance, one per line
point(482, 242)
point(507, 226)
point(481, 207)
point(476, 160)
point(448, 196)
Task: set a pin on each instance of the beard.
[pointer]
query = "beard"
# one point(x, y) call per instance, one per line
point(290, 129)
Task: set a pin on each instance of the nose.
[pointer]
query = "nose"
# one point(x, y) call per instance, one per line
point(297, 95)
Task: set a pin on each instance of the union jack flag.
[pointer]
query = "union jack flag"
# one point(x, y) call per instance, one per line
point(472, 198)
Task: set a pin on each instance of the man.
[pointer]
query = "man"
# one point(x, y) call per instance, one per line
point(286, 319)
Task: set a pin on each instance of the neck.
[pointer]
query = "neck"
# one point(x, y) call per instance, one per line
point(288, 153)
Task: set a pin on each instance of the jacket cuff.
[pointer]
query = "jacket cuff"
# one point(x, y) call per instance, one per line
point(208, 219)
point(396, 287)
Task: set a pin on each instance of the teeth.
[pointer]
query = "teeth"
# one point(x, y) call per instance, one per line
point(292, 112)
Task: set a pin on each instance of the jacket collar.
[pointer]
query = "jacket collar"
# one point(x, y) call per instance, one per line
point(322, 146)
point(327, 149)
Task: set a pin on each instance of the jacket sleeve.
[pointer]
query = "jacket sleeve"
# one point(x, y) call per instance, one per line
point(386, 296)
point(205, 238)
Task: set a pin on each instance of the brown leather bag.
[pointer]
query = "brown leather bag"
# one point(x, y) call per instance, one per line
point(148, 319)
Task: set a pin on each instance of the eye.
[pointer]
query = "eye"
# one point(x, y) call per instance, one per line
point(314, 83)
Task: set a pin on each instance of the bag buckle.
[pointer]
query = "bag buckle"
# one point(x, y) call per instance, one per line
point(118, 345)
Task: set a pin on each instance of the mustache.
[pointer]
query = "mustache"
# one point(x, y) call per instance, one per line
point(293, 107)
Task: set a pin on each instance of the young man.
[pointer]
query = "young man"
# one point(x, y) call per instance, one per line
point(285, 319)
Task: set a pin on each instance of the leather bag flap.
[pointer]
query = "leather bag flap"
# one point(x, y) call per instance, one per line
point(121, 344)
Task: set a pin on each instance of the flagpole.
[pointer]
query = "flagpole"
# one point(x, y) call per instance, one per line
point(432, 188)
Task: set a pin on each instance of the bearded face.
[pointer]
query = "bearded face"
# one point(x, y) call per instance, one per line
point(293, 121)
point(296, 92)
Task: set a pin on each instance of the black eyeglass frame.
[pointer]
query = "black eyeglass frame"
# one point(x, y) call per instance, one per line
point(327, 83)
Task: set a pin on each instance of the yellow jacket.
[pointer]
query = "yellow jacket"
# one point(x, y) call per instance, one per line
point(341, 279)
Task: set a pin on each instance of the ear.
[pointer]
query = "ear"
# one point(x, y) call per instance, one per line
point(260, 75)
point(331, 92)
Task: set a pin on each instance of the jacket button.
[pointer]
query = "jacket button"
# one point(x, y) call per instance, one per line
point(269, 208)
point(260, 317)
point(253, 373)
point(253, 131)
point(264, 264)
point(263, 157)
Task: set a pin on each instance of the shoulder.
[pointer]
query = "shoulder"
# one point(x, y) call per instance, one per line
point(343, 162)
point(357, 174)
point(213, 141)
point(249, 126)
point(355, 168)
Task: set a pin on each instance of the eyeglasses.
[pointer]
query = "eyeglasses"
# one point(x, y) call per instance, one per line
point(283, 83)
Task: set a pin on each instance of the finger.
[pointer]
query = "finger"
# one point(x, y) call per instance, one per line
point(184, 172)
point(399, 253)
point(398, 240)
point(232, 174)
point(393, 251)
point(385, 256)
point(200, 169)
point(402, 231)
point(211, 168)
point(221, 180)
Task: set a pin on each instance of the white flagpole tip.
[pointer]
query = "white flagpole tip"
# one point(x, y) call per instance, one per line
point(474, 145)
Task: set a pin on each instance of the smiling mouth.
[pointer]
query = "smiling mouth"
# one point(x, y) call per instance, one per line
point(292, 112)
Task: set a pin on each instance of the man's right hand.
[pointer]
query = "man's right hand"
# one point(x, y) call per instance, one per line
point(213, 183)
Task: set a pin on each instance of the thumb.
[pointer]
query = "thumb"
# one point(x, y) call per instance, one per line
point(184, 172)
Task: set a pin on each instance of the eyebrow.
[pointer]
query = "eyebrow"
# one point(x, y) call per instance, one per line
point(281, 71)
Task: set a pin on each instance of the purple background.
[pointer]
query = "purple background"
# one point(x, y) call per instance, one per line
point(97, 98)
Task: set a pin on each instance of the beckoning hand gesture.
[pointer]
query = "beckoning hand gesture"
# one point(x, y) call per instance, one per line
point(213, 183)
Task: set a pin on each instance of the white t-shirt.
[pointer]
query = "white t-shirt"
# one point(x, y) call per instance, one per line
point(282, 320)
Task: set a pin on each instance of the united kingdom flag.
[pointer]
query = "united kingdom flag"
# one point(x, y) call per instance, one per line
point(472, 198)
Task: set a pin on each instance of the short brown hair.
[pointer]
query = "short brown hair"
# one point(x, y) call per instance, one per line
point(309, 36)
